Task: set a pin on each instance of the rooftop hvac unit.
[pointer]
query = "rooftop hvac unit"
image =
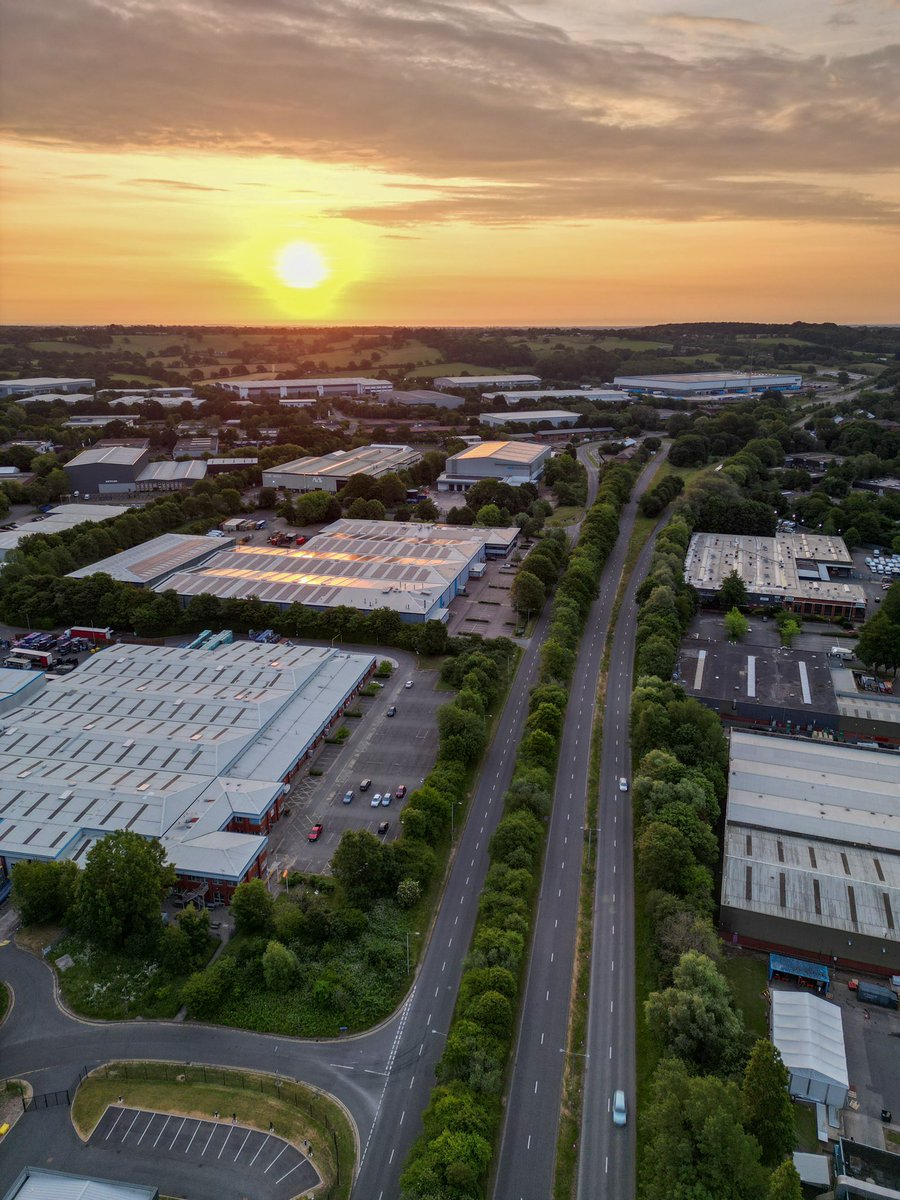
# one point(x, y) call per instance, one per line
point(128, 743)
point(67, 795)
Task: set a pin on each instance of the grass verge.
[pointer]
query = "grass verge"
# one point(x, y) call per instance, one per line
point(573, 1077)
point(747, 977)
point(805, 1124)
point(297, 1112)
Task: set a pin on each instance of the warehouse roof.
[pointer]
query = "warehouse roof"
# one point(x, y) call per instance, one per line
point(39, 1183)
point(713, 376)
point(816, 789)
point(153, 561)
point(536, 414)
point(514, 452)
point(170, 742)
point(170, 472)
point(483, 380)
point(774, 676)
point(124, 456)
point(48, 397)
point(785, 566)
point(366, 460)
point(810, 1035)
point(66, 516)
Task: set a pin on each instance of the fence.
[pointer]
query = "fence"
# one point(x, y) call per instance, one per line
point(43, 1100)
point(280, 1088)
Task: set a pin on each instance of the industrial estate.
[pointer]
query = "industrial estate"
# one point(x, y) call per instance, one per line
point(359, 729)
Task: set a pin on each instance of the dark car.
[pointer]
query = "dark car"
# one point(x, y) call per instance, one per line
point(315, 833)
point(392, 711)
point(384, 827)
point(365, 785)
point(400, 792)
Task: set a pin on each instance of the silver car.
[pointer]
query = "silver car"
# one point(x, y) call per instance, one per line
point(619, 1109)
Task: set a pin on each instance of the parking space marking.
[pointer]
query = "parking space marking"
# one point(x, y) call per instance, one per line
point(114, 1124)
point(208, 1140)
point(193, 1135)
point(225, 1143)
point(162, 1131)
point(243, 1144)
point(149, 1123)
point(290, 1172)
point(128, 1130)
point(178, 1132)
point(275, 1159)
point(259, 1151)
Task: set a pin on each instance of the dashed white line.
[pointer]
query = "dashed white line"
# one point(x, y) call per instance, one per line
point(535, 1087)
point(391, 1159)
point(402, 1115)
point(528, 1146)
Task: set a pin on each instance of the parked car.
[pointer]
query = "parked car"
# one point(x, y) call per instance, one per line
point(623, 784)
point(619, 1109)
point(316, 832)
point(375, 801)
point(386, 799)
point(365, 785)
point(400, 792)
point(408, 683)
point(300, 541)
point(384, 827)
point(392, 711)
point(348, 797)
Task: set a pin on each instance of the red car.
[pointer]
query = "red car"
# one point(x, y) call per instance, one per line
point(400, 792)
point(315, 833)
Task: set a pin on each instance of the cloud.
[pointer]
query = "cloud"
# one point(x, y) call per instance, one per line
point(460, 89)
point(178, 183)
point(693, 25)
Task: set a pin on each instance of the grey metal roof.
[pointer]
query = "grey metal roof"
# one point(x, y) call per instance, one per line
point(119, 455)
point(810, 1035)
point(170, 472)
point(39, 1183)
point(153, 561)
point(365, 460)
point(769, 565)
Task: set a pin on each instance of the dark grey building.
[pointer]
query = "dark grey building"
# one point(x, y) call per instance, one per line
point(106, 470)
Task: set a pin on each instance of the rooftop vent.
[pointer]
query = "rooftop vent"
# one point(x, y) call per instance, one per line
point(67, 795)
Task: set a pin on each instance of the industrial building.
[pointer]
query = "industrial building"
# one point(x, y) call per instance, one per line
point(599, 395)
point(45, 384)
point(149, 393)
point(122, 470)
point(94, 420)
point(796, 571)
point(809, 1034)
point(295, 389)
point(40, 1183)
point(222, 466)
point(708, 383)
point(812, 850)
point(757, 683)
point(555, 416)
point(196, 447)
point(498, 382)
point(66, 516)
point(413, 396)
point(513, 462)
point(151, 563)
point(49, 397)
point(413, 570)
point(195, 747)
point(329, 472)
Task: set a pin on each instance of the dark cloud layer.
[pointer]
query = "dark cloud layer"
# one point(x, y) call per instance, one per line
point(444, 89)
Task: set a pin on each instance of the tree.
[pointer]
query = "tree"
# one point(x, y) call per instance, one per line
point(662, 856)
point(785, 1183)
point(694, 1018)
point(879, 641)
point(736, 624)
point(267, 498)
point(426, 510)
point(696, 1144)
point(280, 967)
point(205, 990)
point(43, 891)
point(733, 593)
point(489, 515)
point(766, 1103)
point(194, 924)
point(788, 628)
point(251, 907)
point(364, 867)
point(409, 892)
point(120, 891)
point(463, 733)
point(527, 593)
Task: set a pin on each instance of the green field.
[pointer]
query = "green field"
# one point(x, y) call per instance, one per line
point(773, 341)
point(150, 380)
point(626, 343)
point(62, 348)
point(454, 368)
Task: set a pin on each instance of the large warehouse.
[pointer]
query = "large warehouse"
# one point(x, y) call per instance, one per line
point(123, 470)
point(294, 389)
point(329, 472)
point(66, 516)
point(194, 747)
point(44, 384)
point(535, 396)
point(708, 383)
point(413, 570)
point(492, 381)
point(513, 462)
point(151, 563)
point(799, 571)
point(812, 849)
point(555, 416)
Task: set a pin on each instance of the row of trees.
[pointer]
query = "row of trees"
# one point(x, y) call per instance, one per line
point(661, 495)
point(452, 1155)
point(718, 1118)
point(567, 478)
point(343, 948)
point(538, 572)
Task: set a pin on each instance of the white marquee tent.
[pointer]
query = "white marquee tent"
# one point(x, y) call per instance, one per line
point(808, 1032)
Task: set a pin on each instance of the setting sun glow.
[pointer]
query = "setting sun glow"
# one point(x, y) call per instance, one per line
point(301, 265)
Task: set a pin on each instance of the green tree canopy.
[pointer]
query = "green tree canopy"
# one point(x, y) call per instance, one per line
point(733, 593)
point(251, 907)
point(43, 891)
point(694, 1018)
point(766, 1103)
point(120, 891)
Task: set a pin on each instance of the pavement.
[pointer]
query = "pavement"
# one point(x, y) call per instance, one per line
point(527, 1154)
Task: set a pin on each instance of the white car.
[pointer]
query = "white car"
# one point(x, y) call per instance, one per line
point(408, 683)
point(623, 784)
point(619, 1109)
point(375, 801)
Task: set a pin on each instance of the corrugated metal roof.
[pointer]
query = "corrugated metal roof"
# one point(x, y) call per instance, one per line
point(154, 560)
point(38, 1183)
point(809, 1033)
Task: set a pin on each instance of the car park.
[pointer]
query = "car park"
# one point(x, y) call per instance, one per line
point(365, 785)
point(619, 1108)
point(315, 833)
point(375, 801)
point(623, 784)
point(348, 797)
point(400, 792)
point(392, 711)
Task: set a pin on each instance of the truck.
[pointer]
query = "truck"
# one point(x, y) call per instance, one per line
point(91, 633)
point(875, 993)
point(841, 652)
point(21, 658)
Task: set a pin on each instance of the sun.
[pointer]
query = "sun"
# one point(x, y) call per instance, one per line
point(301, 265)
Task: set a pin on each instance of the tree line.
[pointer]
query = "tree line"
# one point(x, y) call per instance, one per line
point(452, 1155)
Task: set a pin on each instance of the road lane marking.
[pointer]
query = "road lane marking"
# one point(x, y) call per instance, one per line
point(542, 1039)
point(610, 1006)
point(548, 993)
point(115, 1123)
point(411, 1082)
point(391, 1159)
point(610, 1052)
point(528, 1147)
point(551, 956)
point(402, 1115)
point(443, 965)
point(535, 1087)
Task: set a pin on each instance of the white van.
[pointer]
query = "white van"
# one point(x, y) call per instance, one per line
point(841, 652)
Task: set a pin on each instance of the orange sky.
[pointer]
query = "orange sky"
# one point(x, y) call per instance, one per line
point(455, 161)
